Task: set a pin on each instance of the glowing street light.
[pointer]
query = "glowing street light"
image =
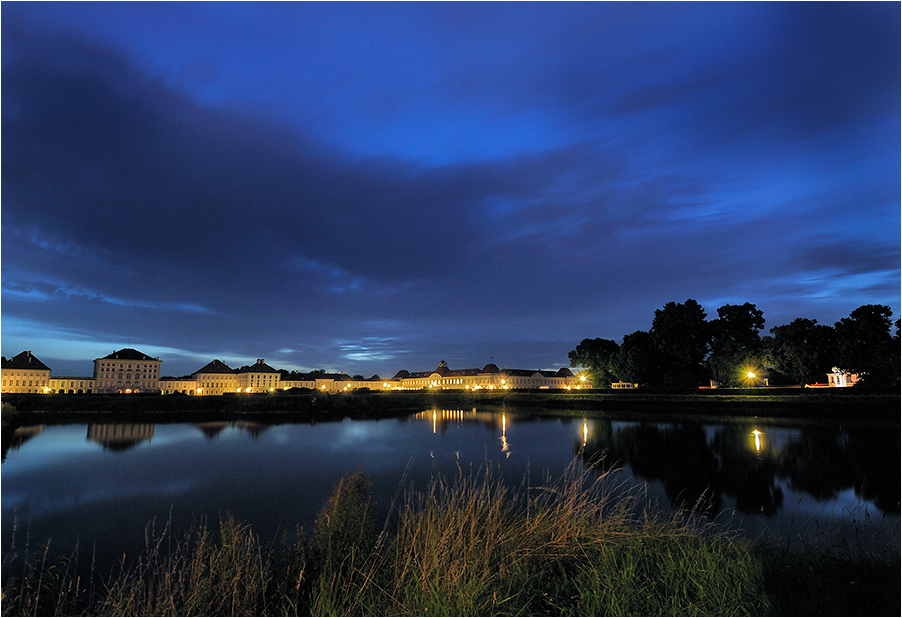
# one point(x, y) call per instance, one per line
point(750, 377)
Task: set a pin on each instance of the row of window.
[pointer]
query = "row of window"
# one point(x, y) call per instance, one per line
point(128, 365)
point(128, 376)
point(30, 383)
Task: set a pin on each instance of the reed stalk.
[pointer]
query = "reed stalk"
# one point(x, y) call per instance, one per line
point(467, 546)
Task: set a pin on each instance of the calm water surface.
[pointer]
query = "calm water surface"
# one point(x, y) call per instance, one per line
point(102, 484)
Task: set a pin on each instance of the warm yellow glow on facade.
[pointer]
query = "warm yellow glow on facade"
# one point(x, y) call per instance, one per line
point(129, 370)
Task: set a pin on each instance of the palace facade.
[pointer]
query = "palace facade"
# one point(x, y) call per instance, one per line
point(131, 371)
point(127, 371)
point(24, 373)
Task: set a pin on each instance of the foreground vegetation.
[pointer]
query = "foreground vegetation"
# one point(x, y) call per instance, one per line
point(470, 547)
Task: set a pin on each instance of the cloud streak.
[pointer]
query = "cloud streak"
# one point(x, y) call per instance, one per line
point(376, 186)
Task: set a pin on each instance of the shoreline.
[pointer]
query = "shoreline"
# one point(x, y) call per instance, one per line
point(788, 405)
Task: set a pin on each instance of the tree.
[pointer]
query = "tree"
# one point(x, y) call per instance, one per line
point(681, 336)
point(736, 343)
point(597, 356)
point(637, 360)
point(803, 350)
point(866, 347)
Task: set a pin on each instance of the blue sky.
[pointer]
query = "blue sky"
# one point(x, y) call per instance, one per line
point(369, 187)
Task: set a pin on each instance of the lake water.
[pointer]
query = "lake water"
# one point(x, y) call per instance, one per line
point(101, 484)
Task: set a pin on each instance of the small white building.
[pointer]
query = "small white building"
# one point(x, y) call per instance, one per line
point(841, 378)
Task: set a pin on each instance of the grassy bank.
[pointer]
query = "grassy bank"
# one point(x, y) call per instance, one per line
point(468, 547)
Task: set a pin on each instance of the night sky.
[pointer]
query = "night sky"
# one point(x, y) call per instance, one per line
point(369, 188)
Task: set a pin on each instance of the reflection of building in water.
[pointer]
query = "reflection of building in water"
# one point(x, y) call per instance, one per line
point(25, 433)
point(211, 430)
point(14, 438)
point(255, 429)
point(120, 436)
point(441, 419)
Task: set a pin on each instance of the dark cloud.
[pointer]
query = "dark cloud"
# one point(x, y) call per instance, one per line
point(704, 154)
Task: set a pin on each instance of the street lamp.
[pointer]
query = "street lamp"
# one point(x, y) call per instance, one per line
point(750, 378)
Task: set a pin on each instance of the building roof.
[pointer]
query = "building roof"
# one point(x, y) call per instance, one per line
point(338, 377)
point(24, 360)
point(315, 375)
point(215, 366)
point(490, 369)
point(128, 354)
point(524, 373)
point(258, 367)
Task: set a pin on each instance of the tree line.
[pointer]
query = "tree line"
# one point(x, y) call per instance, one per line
point(683, 348)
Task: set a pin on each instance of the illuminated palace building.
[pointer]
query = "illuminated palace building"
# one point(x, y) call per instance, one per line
point(131, 371)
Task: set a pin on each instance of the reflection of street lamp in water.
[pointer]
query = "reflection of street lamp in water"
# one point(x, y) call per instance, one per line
point(505, 447)
point(757, 435)
point(585, 432)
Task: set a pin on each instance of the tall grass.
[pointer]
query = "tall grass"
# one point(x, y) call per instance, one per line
point(477, 547)
point(468, 546)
